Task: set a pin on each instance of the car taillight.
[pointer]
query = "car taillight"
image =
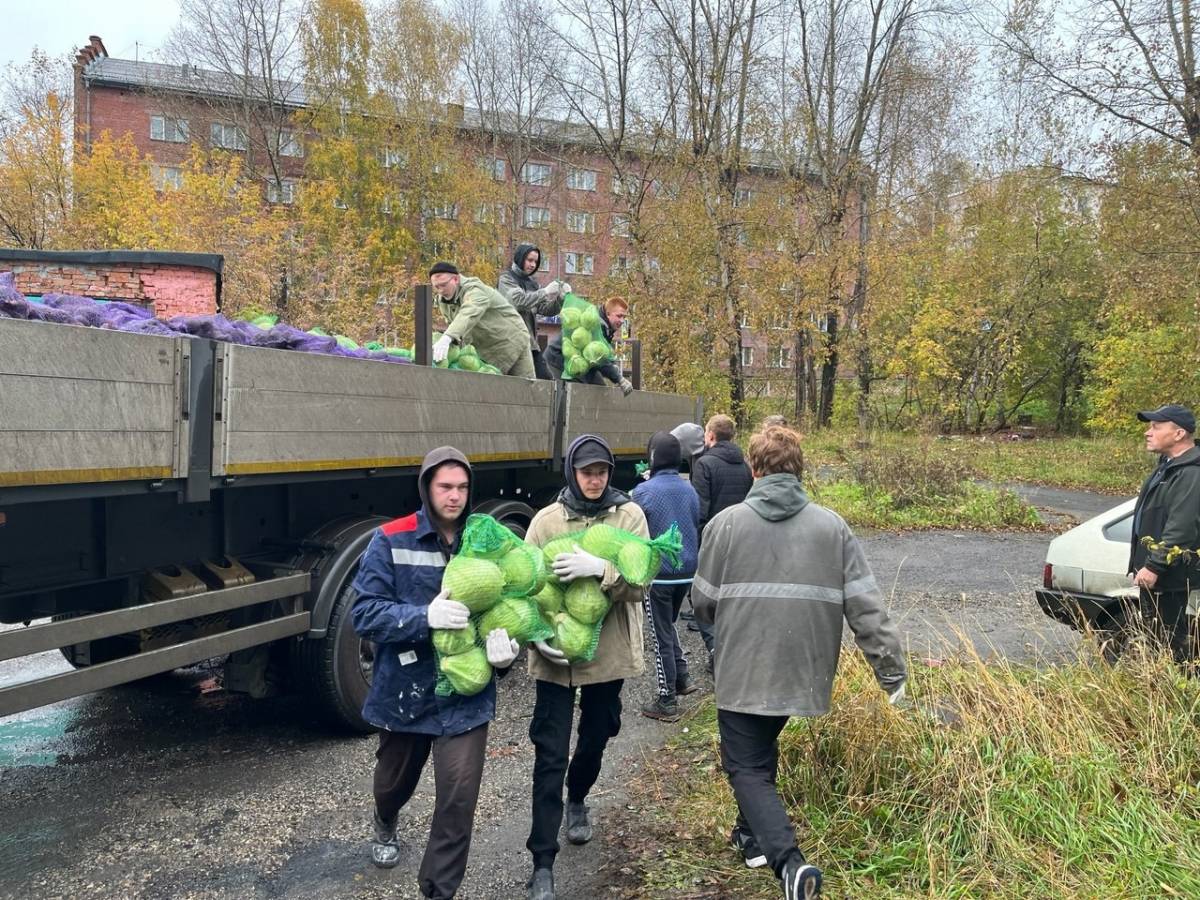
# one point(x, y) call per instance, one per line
point(1047, 576)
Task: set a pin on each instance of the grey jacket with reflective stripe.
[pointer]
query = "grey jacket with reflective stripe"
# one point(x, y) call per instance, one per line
point(779, 591)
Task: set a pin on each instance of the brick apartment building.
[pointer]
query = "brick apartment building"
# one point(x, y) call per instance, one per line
point(568, 201)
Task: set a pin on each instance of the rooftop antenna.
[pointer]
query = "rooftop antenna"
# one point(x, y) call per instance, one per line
point(135, 51)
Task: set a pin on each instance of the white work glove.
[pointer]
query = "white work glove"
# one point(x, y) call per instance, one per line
point(441, 349)
point(563, 289)
point(553, 289)
point(626, 386)
point(501, 649)
point(896, 696)
point(447, 614)
point(550, 654)
point(580, 564)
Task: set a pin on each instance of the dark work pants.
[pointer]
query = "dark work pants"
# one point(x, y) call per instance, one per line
point(750, 758)
point(457, 773)
point(662, 607)
point(1166, 618)
point(540, 368)
point(550, 731)
point(708, 633)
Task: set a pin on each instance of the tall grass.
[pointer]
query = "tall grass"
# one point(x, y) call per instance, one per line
point(1074, 781)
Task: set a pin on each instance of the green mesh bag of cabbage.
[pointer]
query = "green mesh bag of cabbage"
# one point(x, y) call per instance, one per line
point(637, 559)
point(495, 575)
point(583, 345)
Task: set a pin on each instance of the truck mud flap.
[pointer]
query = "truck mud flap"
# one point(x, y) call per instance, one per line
point(51, 689)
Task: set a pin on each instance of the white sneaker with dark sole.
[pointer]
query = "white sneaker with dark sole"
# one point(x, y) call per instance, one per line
point(801, 881)
point(743, 841)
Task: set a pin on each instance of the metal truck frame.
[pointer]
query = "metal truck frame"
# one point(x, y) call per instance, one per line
point(165, 501)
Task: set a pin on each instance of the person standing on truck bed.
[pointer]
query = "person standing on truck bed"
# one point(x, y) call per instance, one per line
point(480, 315)
point(1168, 514)
point(612, 319)
point(517, 284)
point(400, 599)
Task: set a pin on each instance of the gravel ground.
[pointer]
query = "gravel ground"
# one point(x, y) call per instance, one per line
point(173, 789)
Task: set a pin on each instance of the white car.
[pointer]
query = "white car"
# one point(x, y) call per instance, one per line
point(1085, 580)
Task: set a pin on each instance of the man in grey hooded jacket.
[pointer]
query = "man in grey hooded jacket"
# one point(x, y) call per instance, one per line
point(777, 575)
point(517, 284)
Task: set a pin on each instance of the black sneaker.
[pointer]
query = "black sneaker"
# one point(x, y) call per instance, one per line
point(801, 880)
point(579, 824)
point(541, 885)
point(385, 850)
point(663, 708)
point(743, 841)
point(685, 685)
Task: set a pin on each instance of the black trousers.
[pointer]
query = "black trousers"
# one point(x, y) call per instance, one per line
point(457, 773)
point(750, 758)
point(663, 602)
point(1165, 616)
point(550, 731)
point(540, 368)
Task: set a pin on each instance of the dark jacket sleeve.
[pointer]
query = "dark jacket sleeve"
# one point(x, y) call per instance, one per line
point(379, 614)
point(611, 371)
point(703, 485)
point(1180, 520)
point(538, 302)
point(866, 614)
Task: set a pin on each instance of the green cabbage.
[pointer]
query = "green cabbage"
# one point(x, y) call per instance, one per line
point(570, 318)
point(475, 583)
point(522, 569)
point(518, 616)
point(581, 337)
point(577, 366)
point(589, 318)
point(596, 351)
point(604, 541)
point(550, 599)
point(449, 642)
point(468, 362)
point(560, 545)
point(638, 563)
point(585, 601)
point(468, 673)
point(572, 637)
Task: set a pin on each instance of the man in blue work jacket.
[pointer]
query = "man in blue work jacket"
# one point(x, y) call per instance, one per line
point(400, 599)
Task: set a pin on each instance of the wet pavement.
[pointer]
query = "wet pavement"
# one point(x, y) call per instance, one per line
point(171, 788)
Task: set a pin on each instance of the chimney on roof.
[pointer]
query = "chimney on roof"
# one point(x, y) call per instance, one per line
point(455, 112)
point(94, 50)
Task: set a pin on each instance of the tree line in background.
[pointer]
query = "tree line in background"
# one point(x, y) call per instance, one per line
point(956, 222)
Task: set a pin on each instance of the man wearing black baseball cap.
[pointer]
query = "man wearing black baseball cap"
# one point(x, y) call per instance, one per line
point(1166, 517)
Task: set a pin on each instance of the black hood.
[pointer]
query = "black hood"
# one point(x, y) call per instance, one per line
point(727, 451)
point(571, 497)
point(519, 259)
point(663, 451)
point(432, 460)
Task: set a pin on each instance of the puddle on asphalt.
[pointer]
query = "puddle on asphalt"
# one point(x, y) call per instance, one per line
point(29, 739)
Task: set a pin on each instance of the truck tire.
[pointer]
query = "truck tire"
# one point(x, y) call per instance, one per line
point(512, 513)
point(334, 669)
point(101, 651)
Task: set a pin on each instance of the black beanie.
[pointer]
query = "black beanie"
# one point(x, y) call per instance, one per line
point(447, 267)
point(664, 451)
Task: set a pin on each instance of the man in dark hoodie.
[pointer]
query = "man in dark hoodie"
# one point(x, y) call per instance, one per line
point(1167, 515)
point(517, 284)
point(400, 600)
point(778, 575)
point(668, 499)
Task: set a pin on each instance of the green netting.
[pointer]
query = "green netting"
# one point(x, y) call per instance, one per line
point(584, 601)
point(463, 673)
point(475, 583)
point(465, 358)
point(576, 640)
point(583, 345)
point(484, 537)
point(519, 616)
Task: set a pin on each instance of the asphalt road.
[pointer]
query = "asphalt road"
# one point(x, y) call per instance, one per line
point(172, 788)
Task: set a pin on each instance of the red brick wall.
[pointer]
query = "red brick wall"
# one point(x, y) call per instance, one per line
point(169, 290)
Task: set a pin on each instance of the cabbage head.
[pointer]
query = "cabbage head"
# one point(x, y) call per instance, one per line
point(475, 583)
point(468, 673)
point(450, 642)
point(572, 637)
point(585, 601)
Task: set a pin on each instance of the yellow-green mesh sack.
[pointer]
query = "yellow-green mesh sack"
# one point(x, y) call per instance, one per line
point(584, 346)
point(519, 617)
point(584, 601)
point(524, 570)
point(463, 673)
point(639, 560)
point(605, 541)
point(486, 538)
point(556, 547)
point(475, 583)
point(549, 599)
point(576, 640)
point(451, 641)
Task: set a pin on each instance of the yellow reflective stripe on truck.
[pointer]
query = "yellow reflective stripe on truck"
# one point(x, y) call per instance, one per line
point(380, 462)
point(83, 476)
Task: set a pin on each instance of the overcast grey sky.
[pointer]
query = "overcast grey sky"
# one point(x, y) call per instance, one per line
point(60, 26)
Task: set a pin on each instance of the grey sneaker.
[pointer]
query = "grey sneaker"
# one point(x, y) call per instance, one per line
point(579, 824)
point(685, 685)
point(665, 708)
point(801, 880)
point(743, 841)
point(385, 850)
point(541, 885)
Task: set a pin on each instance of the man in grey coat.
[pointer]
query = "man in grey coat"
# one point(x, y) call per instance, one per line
point(777, 575)
point(517, 284)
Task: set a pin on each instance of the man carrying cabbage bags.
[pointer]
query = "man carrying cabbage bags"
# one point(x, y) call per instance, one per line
point(587, 499)
point(480, 315)
point(400, 600)
point(612, 318)
point(778, 575)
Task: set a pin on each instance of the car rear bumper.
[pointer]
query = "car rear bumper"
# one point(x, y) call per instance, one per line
point(1077, 609)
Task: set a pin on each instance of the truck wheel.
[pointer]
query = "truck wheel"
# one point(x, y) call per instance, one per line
point(101, 651)
point(335, 669)
point(512, 513)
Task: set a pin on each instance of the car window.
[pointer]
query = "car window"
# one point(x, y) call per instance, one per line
point(1120, 530)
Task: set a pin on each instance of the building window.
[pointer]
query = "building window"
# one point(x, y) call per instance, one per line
point(536, 173)
point(496, 168)
point(628, 185)
point(663, 190)
point(166, 178)
point(747, 356)
point(167, 128)
point(620, 225)
point(289, 144)
point(281, 191)
point(581, 222)
point(577, 263)
point(743, 197)
point(781, 320)
point(781, 357)
point(443, 211)
point(536, 217)
point(744, 322)
point(581, 180)
point(490, 214)
point(619, 266)
point(391, 158)
point(227, 136)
